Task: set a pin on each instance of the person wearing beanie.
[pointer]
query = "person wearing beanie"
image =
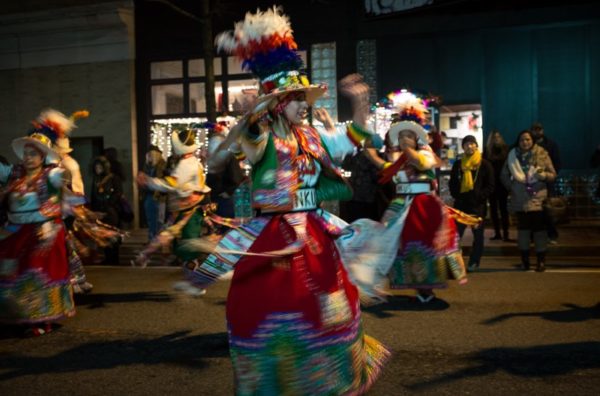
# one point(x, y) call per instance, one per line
point(471, 184)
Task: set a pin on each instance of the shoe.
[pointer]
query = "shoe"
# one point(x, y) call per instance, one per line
point(525, 260)
point(195, 291)
point(189, 289)
point(507, 239)
point(86, 287)
point(496, 237)
point(553, 242)
point(38, 330)
point(425, 298)
point(181, 285)
point(541, 262)
point(472, 267)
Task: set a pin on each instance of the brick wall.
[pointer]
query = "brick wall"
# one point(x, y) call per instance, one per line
point(102, 88)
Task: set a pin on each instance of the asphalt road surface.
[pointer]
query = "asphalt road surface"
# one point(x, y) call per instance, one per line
point(506, 332)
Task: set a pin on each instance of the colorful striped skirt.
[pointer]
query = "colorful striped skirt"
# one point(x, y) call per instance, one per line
point(294, 320)
point(34, 275)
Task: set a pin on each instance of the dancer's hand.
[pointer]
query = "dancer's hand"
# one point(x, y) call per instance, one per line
point(357, 91)
point(323, 116)
point(354, 86)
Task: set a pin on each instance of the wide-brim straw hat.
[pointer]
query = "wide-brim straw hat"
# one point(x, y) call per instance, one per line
point(412, 126)
point(38, 140)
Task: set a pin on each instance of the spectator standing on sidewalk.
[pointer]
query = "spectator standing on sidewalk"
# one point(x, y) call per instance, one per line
point(540, 139)
point(526, 173)
point(496, 152)
point(106, 195)
point(471, 184)
point(154, 167)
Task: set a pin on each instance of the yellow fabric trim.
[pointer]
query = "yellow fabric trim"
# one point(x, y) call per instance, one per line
point(421, 161)
point(172, 181)
point(467, 165)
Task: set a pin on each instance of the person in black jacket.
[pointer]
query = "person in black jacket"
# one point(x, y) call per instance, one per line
point(496, 152)
point(106, 196)
point(471, 183)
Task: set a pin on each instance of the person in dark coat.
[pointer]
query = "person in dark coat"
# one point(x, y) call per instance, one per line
point(106, 198)
point(471, 183)
point(363, 179)
point(496, 152)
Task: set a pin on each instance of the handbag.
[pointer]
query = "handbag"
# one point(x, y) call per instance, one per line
point(556, 209)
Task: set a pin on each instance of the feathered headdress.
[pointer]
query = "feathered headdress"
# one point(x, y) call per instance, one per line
point(264, 43)
point(60, 125)
point(411, 114)
point(48, 127)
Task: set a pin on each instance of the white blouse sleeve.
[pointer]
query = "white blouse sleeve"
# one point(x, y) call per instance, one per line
point(337, 142)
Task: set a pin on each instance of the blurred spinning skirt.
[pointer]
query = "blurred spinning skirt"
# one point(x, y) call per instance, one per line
point(34, 275)
point(294, 321)
point(429, 253)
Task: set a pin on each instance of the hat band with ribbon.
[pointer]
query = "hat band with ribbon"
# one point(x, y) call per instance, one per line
point(284, 80)
point(45, 140)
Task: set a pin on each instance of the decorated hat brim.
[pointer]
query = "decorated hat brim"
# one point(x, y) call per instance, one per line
point(19, 144)
point(313, 93)
point(412, 126)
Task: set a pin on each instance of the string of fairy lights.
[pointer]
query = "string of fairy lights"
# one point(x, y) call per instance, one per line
point(162, 129)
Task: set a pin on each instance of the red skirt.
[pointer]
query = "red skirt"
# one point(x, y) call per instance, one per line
point(294, 321)
point(429, 252)
point(34, 275)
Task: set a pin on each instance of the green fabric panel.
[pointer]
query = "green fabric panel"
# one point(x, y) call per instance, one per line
point(191, 230)
point(268, 162)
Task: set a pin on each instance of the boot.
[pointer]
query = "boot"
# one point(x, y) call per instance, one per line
point(525, 260)
point(506, 237)
point(496, 236)
point(541, 262)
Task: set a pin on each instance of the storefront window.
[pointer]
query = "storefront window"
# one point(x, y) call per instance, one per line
point(196, 67)
point(242, 95)
point(167, 99)
point(162, 70)
point(234, 66)
point(198, 99)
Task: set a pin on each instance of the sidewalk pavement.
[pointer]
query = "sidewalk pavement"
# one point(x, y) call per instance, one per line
point(580, 239)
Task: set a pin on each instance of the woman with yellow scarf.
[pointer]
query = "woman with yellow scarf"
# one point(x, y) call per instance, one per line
point(471, 183)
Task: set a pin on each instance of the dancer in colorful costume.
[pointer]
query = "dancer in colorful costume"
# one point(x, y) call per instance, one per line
point(428, 244)
point(293, 315)
point(35, 287)
point(74, 198)
point(186, 202)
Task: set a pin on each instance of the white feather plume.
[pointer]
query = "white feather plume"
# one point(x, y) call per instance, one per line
point(405, 100)
point(255, 27)
point(56, 118)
